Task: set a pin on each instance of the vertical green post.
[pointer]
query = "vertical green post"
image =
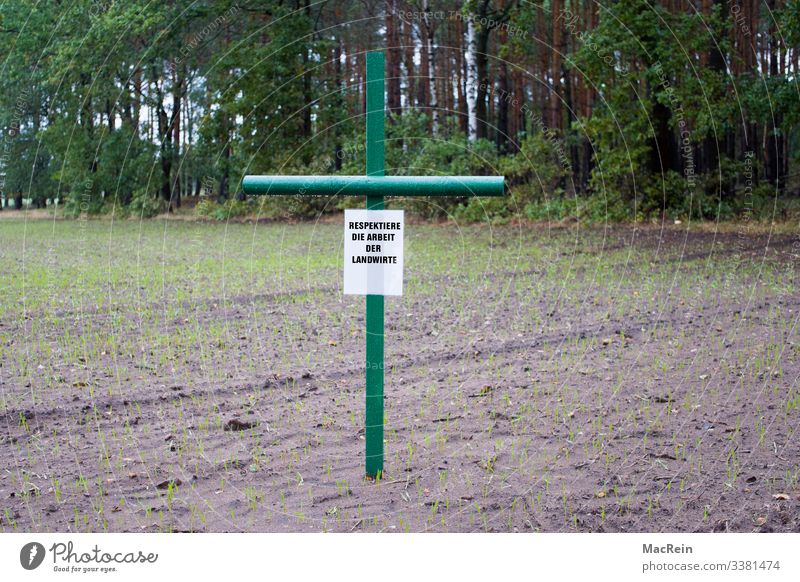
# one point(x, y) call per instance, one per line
point(374, 369)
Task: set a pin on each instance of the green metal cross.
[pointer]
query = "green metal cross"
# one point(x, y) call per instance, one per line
point(375, 185)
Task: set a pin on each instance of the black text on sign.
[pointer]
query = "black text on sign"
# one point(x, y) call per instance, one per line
point(373, 252)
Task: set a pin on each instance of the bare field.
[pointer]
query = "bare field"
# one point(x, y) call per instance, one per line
point(174, 376)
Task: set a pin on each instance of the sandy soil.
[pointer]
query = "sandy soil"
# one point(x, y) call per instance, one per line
point(531, 406)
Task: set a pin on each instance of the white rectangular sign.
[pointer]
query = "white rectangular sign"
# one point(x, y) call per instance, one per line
point(373, 252)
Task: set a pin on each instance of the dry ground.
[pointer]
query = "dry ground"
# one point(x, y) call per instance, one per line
point(170, 376)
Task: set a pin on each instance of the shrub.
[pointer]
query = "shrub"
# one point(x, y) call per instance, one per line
point(481, 209)
point(145, 205)
point(229, 209)
point(591, 209)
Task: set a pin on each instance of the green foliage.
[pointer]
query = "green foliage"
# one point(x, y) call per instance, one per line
point(538, 164)
point(29, 170)
point(225, 211)
point(126, 163)
point(495, 210)
point(411, 150)
point(88, 94)
point(145, 204)
point(591, 209)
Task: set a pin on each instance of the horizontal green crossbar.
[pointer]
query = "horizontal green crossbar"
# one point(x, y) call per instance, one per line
point(372, 186)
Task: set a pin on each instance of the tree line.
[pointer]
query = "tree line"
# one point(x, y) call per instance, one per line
point(616, 108)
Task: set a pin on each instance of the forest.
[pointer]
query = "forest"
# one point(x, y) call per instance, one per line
point(601, 110)
point(606, 339)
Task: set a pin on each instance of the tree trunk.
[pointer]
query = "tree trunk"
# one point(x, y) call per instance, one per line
point(424, 81)
point(165, 148)
point(503, 98)
point(482, 68)
point(166, 163)
point(663, 146)
point(524, 106)
point(177, 100)
point(411, 81)
point(461, 79)
point(226, 159)
point(555, 67)
point(569, 98)
point(137, 106)
point(223, 181)
point(433, 93)
point(541, 93)
point(447, 89)
point(337, 83)
point(393, 58)
point(774, 150)
point(472, 81)
point(110, 115)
